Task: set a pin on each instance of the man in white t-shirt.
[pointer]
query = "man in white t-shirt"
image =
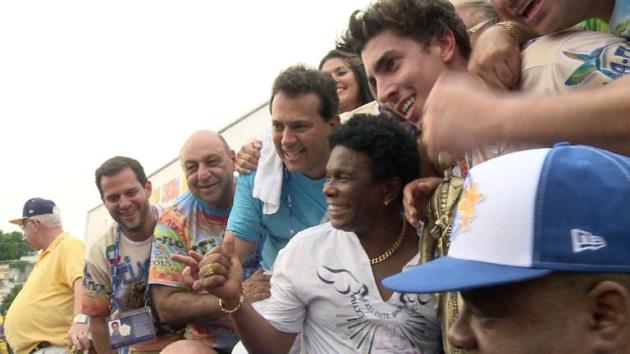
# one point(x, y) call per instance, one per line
point(326, 281)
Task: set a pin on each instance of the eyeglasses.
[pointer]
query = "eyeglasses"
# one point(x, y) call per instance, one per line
point(23, 226)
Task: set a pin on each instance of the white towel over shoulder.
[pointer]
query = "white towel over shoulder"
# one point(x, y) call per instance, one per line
point(268, 180)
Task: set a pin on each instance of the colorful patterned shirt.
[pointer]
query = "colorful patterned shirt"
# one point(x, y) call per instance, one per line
point(190, 224)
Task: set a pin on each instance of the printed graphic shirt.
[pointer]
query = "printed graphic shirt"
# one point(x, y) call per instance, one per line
point(134, 260)
point(573, 60)
point(190, 224)
point(247, 221)
point(332, 298)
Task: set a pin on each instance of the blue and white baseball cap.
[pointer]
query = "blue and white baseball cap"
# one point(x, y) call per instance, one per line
point(530, 213)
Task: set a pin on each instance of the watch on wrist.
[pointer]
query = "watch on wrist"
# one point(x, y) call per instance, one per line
point(80, 318)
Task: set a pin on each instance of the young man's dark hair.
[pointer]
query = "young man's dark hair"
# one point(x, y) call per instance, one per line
point(299, 80)
point(391, 149)
point(116, 164)
point(422, 20)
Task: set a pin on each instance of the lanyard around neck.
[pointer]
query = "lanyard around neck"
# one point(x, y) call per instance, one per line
point(285, 173)
point(115, 271)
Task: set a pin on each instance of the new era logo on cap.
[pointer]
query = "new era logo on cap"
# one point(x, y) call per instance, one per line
point(542, 211)
point(586, 241)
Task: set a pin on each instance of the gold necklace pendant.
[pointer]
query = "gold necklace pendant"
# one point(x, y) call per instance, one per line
point(394, 247)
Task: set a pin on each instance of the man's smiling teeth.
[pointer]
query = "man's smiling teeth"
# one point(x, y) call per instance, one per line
point(207, 184)
point(336, 207)
point(406, 105)
point(128, 214)
point(292, 154)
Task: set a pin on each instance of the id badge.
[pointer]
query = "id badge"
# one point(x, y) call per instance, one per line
point(130, 327)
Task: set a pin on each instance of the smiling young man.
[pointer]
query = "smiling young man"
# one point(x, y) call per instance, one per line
point(304, 107)
point(117, 264)
point(405, 45)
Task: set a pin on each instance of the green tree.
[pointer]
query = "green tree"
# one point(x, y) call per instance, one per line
point(6, 302)
point(13, 246)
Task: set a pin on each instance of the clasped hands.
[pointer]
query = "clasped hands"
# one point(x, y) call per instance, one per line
point(219, 272)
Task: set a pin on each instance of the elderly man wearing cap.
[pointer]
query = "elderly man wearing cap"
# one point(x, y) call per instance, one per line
point(540, 254)
point(40, 318)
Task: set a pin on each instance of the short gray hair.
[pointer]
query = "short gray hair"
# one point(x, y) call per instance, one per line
point(49, 220)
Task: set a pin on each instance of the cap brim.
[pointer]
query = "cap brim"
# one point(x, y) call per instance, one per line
point(453, 274)
point(19, 221)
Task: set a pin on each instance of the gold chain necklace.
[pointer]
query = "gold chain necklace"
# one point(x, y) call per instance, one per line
point(394, 247)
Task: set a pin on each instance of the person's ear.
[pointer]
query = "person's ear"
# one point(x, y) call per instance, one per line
point(35, 224)
point(447, 46)
point(393, 188)
point(334, 120)
point(148, 188)
point(232, 156)
point(608, 310)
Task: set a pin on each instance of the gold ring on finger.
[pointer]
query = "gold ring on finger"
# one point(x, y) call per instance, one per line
point(207, 270)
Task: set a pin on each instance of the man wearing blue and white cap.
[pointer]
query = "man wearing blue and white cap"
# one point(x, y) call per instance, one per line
point(45, 316)
point(540, 254)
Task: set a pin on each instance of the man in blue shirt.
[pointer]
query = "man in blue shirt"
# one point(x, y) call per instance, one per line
point(303, 107)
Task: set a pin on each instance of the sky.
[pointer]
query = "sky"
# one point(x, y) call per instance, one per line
point(82, 81)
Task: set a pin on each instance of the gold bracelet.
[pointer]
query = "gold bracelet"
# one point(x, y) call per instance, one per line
point(236, 308)
point(512, 30)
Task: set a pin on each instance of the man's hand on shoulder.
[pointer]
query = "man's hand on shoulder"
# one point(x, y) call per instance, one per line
point(247, 157)
point(496, 58)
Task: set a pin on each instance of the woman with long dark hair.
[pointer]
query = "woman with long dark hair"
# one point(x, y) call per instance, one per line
point(352, 85)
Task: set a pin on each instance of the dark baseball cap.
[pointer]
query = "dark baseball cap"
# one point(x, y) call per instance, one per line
point(35, 206)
